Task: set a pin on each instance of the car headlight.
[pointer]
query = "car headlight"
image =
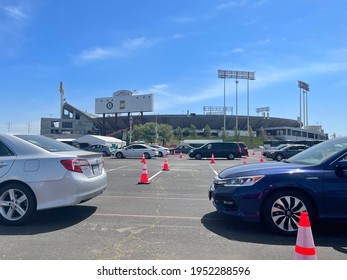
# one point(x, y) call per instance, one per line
point(245, 181)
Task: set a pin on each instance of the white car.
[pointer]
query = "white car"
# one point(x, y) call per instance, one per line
point(162, 151)
point(37, 173)
point(136, 151)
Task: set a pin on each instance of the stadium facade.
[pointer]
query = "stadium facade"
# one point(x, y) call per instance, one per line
point(75, 123)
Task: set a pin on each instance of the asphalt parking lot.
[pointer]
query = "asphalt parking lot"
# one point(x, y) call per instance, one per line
point(170, 218)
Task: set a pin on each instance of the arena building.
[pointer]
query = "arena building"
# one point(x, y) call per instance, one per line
point(125, 109)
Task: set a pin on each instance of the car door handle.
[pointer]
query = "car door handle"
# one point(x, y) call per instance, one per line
point(312, 178)
point(3, 163)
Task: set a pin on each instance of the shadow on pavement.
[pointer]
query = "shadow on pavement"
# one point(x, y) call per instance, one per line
point(332, 235)
point(51, 220)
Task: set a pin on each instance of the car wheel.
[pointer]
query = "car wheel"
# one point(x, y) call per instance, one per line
point(160, 154)
point(281, 211)
point(17, 204)
point(279, 157)
point(198, 156)
point(119, 155)
point(231, 156)
point(147, 155)
point(104, 154)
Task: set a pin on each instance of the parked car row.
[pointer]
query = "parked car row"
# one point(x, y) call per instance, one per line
point(184, 149)
point(284, 151)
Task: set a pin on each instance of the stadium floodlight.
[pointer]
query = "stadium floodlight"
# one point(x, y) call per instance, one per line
point(304, 88)
point(232, 74)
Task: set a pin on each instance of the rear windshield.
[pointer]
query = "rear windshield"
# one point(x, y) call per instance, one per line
point(46, 143)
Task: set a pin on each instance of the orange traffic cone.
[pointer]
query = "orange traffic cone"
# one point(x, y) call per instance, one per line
point(144, 175)
point(261, 158)
point(174, 153)
point(304, 249)
point(181, 155)
point(143, 160)
point(244, 160)
point(166, 165)
point(212, 159)
point(253, 153)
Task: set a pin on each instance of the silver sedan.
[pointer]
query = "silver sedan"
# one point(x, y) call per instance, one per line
point(38, 173)
point(136, 151)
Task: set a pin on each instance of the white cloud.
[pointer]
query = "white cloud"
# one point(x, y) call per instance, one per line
point(124, 49)
point(16, 13)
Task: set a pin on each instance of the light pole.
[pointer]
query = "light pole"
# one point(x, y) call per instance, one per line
point(237, 75)
point(223, 74)
point(304, 87)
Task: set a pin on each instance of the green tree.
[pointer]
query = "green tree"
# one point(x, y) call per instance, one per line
point(179, 133)
point(237, 134)
point(165, 133)
point(251, 135)
point(193, 130)
point(207, 131)
point(186, 131)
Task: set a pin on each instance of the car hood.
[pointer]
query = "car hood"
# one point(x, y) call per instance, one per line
point(259, 169)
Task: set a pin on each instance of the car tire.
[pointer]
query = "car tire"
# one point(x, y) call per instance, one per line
point(279, 157)
point(281, 211)
point(198, 156)
point(17, 204)
point(160, 154)
point(119, 155)
point(147, 155)
point(231, 156)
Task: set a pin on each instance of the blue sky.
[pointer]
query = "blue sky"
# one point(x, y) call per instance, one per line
point(173, 49)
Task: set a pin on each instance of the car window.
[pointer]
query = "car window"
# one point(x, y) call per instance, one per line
point(320, 152)
point(5, 151)
point(46, 143)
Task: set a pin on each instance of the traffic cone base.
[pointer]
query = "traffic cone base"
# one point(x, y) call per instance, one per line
point(144, 175)
point(166, 165)
point(304, 248)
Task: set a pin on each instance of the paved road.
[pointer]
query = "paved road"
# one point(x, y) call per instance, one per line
point(169, 219)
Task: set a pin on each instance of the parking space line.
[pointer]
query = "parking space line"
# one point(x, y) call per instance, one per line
point(153, 197)
point(156, 174)
point(121, 167)
point(147, 216)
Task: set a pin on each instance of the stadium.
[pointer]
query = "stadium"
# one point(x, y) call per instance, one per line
point(114, 116)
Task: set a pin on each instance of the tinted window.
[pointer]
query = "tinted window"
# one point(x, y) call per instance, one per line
point(5, 151)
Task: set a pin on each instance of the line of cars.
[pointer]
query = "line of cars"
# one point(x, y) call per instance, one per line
point(229, 150)
point(284, 151)
point(38, 173)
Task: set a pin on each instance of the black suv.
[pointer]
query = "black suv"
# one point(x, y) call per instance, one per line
point(229, 150)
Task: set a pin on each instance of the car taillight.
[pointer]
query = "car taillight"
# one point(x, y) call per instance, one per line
point(74, 165)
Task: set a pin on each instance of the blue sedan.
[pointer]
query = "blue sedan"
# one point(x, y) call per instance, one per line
point(314, 180)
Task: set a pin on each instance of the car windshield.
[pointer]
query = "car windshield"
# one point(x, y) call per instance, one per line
point(46, 143)
point(320, 152)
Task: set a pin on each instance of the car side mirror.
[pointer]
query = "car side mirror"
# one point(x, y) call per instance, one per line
point(340, 167)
